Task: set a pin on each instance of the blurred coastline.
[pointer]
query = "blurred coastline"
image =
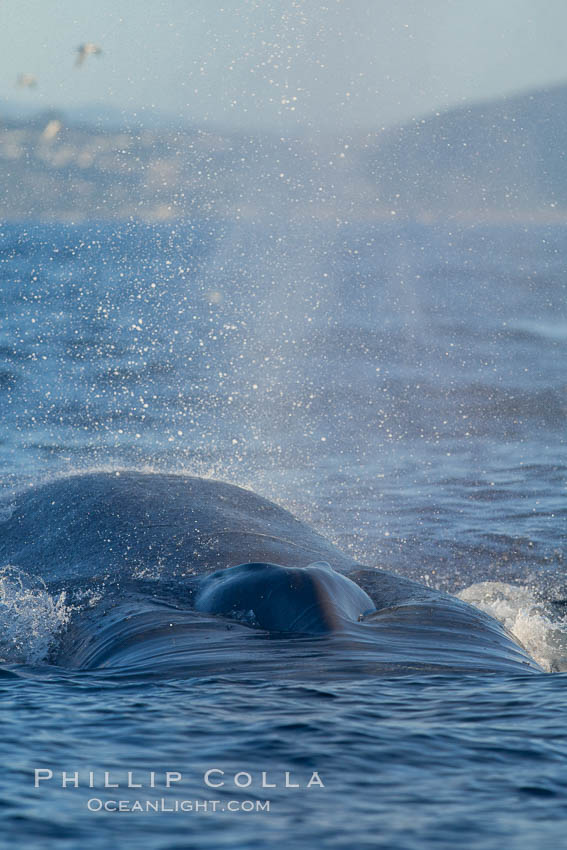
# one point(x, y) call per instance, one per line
point(500, 161)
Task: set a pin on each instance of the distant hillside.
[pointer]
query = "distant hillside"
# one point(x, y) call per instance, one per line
point(51, 171)
point(499, 160)
point(504, 157)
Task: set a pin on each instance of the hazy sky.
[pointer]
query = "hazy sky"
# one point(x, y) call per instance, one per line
point(344, 64)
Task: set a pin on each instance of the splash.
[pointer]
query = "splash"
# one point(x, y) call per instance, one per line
point(30, 618)
point(528, 618)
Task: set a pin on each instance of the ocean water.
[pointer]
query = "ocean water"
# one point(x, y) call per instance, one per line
point(400, 388)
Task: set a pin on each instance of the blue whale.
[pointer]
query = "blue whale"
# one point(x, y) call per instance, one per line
point(177, 575)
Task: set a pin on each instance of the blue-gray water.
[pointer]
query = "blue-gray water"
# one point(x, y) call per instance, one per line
point(400, 388)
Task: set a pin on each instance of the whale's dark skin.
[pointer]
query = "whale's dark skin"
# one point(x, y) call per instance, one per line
point(159, 543)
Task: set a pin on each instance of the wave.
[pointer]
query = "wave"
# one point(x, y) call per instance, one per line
point(530, 619)
point(31, 619)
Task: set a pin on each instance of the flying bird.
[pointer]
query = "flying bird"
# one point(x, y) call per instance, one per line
point(89, 48)
point(26, 81)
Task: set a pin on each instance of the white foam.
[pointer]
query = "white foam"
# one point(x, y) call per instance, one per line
point(526, 617)
point(30, 618)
